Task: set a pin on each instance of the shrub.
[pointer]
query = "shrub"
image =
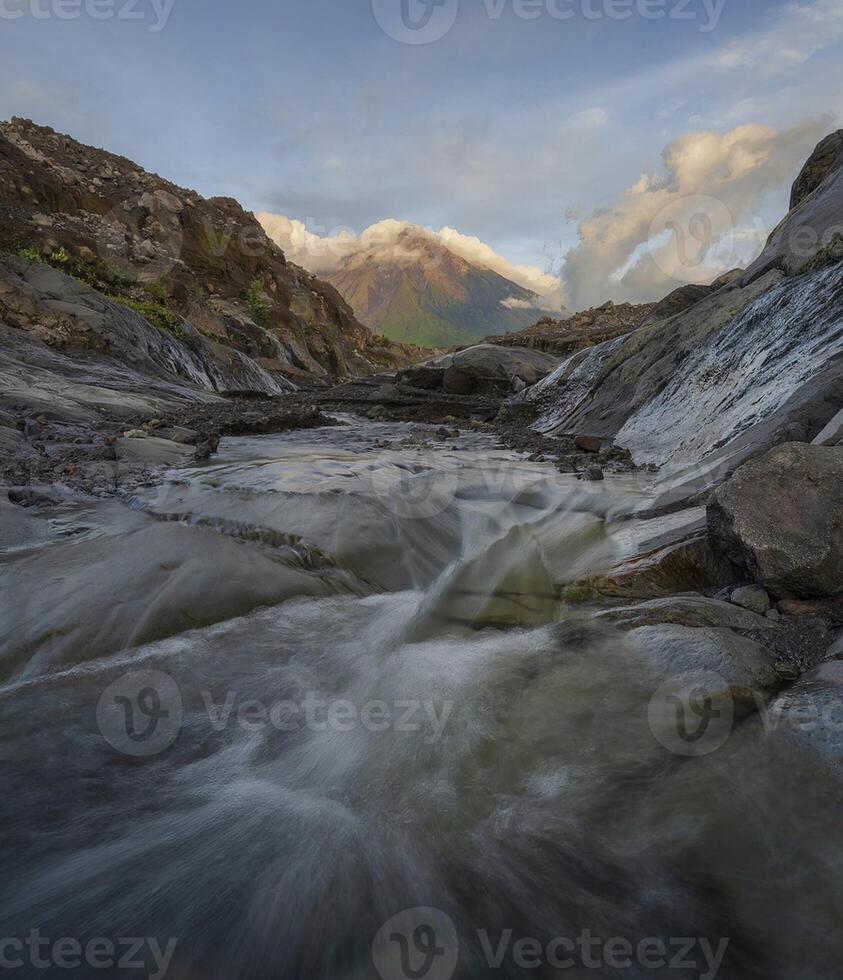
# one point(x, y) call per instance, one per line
point(32, 254)
point(257, 303)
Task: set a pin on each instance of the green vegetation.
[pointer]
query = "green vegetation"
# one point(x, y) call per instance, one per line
point(32, 254)
point(113, 282)
point(257, 303)
point(163, 318)
point(102, 276)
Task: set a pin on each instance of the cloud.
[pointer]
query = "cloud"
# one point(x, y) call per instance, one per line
point(697, 218)
point(797, 33)
point(395, 241)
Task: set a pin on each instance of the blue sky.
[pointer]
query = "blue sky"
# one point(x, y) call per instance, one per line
point(509, 129)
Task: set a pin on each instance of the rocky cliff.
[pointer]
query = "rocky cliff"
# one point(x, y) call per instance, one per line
point(585, 329)
point(194, 269)
point(748, 363)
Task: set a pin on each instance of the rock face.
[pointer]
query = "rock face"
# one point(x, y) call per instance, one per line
point(823, 161)
point(781, 518)
point(484, 369)
point(814, 220)
point(177, 258)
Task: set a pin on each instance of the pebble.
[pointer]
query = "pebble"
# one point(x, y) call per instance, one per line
point(753, 598)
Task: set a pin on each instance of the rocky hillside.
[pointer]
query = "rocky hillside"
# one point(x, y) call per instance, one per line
point(585, 329)
point(419, 292)
point(750, 362)
point(195, 269)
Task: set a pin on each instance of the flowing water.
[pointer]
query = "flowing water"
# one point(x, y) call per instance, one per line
point(314, 710)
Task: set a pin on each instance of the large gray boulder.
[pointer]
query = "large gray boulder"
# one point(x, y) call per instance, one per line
point(781, 518)
point(484, 369)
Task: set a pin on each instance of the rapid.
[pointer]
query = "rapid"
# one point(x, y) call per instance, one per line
point(324, 691)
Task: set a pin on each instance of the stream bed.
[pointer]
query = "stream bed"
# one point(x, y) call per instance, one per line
point(315, 710)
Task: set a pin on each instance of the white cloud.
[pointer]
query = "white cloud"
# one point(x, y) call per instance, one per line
point(698, 218)
point(796, 34)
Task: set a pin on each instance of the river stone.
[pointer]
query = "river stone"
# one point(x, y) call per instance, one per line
point(781, 518)
point(691, 609)
point(751, 597)
point(746, 667)
point(588, 444)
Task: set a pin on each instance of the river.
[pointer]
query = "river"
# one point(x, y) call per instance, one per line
point(315, 710)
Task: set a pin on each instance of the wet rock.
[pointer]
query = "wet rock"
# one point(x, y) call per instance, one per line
point(751, 597)
point(781, 518)
point(29, 497)
point(688, 566)
point(594, 474)
point(691, 609)
point(811, 712)
point(744, 666)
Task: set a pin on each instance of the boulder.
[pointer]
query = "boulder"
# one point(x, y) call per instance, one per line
point(780, 517)
point(484, 369)
point(589, 444)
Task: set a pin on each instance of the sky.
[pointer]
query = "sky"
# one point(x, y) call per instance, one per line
point(585, 145)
